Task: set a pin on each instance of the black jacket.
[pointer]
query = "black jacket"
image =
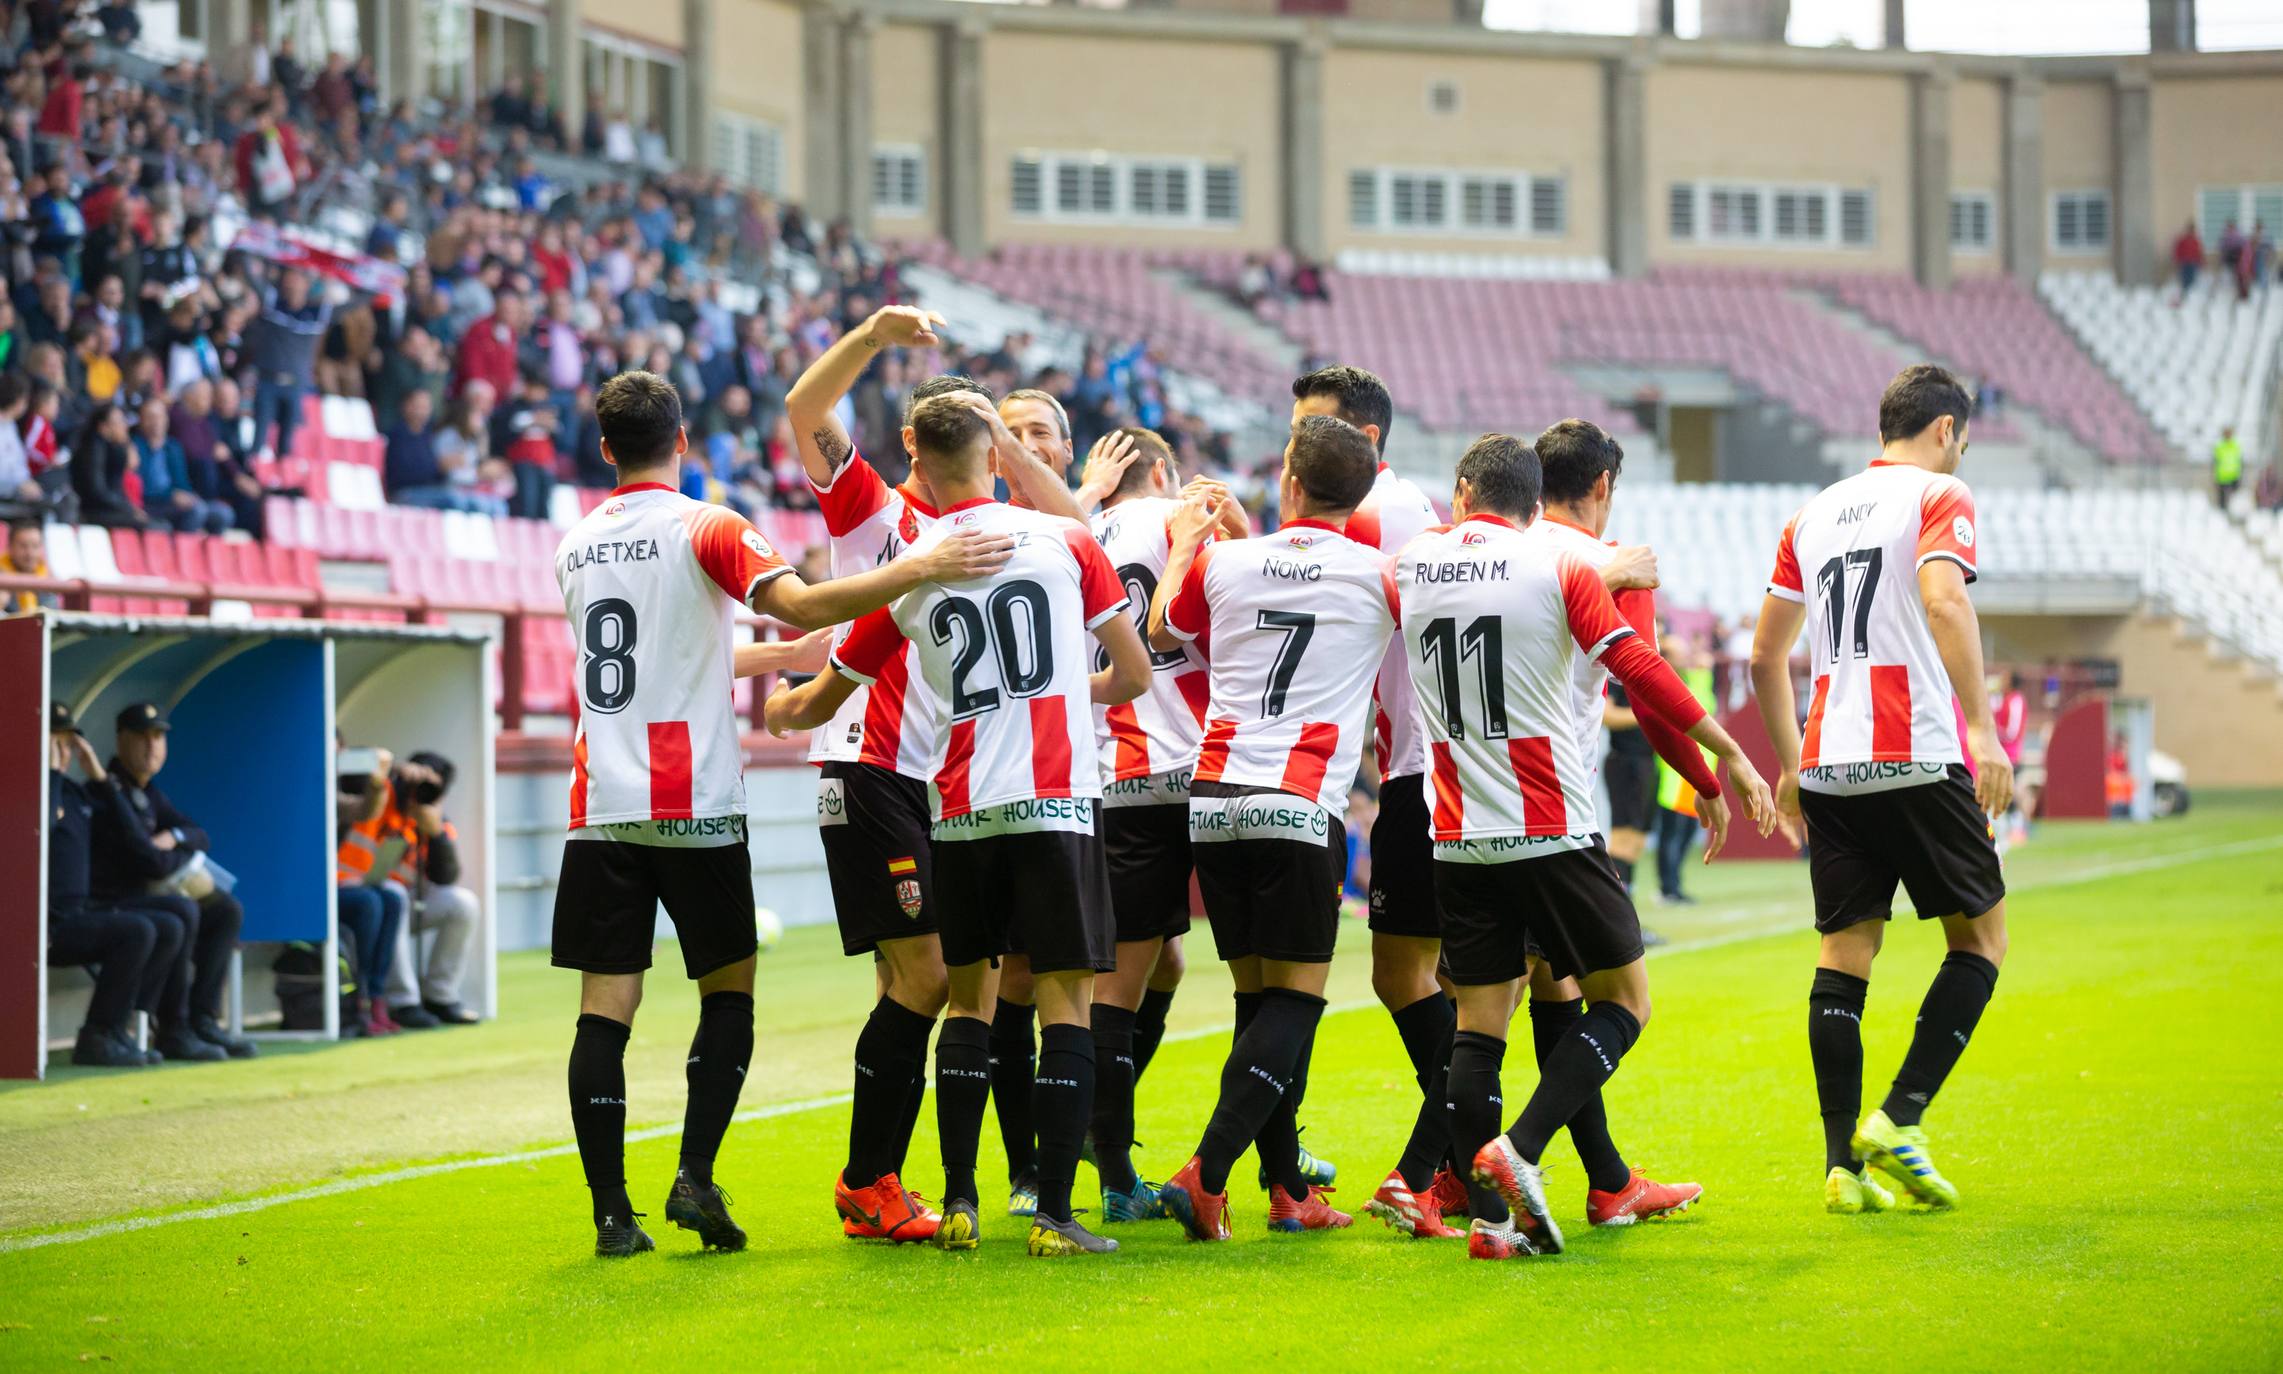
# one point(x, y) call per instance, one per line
point(125, 860)
point(79, 809)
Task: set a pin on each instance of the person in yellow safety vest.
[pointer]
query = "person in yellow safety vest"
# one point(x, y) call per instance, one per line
point(1676, 800)
point(370, 909)
point(2227, 466)
point(406, 828)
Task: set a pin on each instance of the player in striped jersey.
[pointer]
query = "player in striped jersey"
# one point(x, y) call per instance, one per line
point(872, 764)
point(1296, 624)
point(1149, 751)
point(1494, 620)
point(1877, 566)
point(650, 579)
point(1015, 796)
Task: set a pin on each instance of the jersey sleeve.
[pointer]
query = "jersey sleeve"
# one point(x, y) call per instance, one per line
point(1394, 596)
point(732, 552)
point(872, 643)
point(1946, 524)
point(1592, 614)
point(1101, 591)
point(1187, 615)
point(854, 495)
point(1664, 707)
point(1784, 581)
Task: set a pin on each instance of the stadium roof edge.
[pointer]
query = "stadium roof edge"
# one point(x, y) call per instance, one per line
point(1350, 33)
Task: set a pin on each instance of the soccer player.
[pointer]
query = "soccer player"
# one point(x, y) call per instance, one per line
point(1148, 753)
point(1406, 934)
point(1015, 796)
point(1296, 624)
point(1877, 565)
point(1578, 466)
point(1493, 622)
point(651, 580)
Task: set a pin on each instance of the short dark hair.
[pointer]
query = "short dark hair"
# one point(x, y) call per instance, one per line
point(1572, 455)
point(946, 429)
point(14, 387)
point(1502, 473)
point(639, 414)
point(1333, 461)
point(18, 526)
point(1154, 450)
point(1363, 398)
point(946, 384)
point(1918, 396)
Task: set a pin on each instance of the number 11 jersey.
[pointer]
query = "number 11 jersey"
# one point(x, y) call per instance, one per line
point(652, 581)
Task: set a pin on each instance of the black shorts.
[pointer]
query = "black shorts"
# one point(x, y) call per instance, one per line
point(1632, 782)
point(606, 905)
point(1403, 862)
point(1045, 894)
point(1147, 848)
point(1566, 907)
point(1933, 839)
point(1272, 898)
point(874, 824)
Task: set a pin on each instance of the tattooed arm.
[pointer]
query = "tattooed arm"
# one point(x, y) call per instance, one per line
point(809, 405)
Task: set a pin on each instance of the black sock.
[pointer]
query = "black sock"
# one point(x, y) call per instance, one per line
point(1063, 1093)
point(1946, 1020)
point(1430, 1138)
point(1574, 1070)
point(914, 1100)
point(1835, 1047)
point(1476, 1107)
point(1624, 869)
point(962, 1090)
point(598, 1111)
point(720, 1053)
point(1014, 1052)
point(1278, 1141)
point(1149, 1027)
point(1589, 1130)
point(1115, 1068)
point(1248, 1006)
point(891, 1053)
point(1261, 1067)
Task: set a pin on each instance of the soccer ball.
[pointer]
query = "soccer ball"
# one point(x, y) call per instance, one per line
point(768, 928)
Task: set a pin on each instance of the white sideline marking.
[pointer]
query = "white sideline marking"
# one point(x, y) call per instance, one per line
point(1793, 922)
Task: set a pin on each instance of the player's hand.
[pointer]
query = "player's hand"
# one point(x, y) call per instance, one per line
point(777, 710)
point(1632, 568)
point(964, 557)
point(1712, 814)
point(1106, 465)
point(810, 653)
point(1993, 772)
point(1788, 818)
point(1738, 778)
point(903, 326)
point(1195, 517)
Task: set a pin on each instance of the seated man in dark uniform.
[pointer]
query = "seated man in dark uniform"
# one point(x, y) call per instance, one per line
point(150, 855)
point(130, 951)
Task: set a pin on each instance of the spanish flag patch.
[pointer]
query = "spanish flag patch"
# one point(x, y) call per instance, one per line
point(900, 867)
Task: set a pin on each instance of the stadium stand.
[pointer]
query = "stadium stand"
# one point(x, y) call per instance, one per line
point(2196, 362)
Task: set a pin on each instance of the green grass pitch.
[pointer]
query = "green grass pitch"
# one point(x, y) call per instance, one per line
point(2116, 1127)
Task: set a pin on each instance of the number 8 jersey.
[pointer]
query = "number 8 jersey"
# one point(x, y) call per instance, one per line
point(652, 581)
point(1853, 554)
point(1009, 657)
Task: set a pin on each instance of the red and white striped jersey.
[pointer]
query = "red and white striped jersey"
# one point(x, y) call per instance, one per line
point(1395, 513)
point(1295, 625)
point(1495, 622)
point(1852, 554)
point(888, 724)
point(1009, 655)
point(652, 581)
point(1589, 681)
point(1156, 732)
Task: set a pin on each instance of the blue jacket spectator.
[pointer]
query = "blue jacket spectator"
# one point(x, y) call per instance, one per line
point(168, 496)
point(282, 346)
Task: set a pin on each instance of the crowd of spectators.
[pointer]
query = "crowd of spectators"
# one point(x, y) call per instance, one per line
point(162, 323)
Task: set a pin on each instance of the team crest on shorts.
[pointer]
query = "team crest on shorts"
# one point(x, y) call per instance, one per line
point(906, 873)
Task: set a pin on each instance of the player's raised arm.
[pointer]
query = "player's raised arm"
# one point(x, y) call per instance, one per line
point(817, 433)
point(1106, 465)
point(842, 599)
point(1036, 484)
point(1185, 533)
point(804, 655)
point(872, 641)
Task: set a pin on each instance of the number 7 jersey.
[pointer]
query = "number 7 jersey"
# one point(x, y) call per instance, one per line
point(652, 581)
point(1852, 554)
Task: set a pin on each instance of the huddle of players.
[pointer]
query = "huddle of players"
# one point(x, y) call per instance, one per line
point(976, 852)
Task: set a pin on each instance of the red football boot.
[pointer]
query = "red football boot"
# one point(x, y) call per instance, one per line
point(1641, 1199)
point(1448, 1194)
point(885, 1211)
point(1205, 1216)
point(1312, 1213)
point(1408, 1213)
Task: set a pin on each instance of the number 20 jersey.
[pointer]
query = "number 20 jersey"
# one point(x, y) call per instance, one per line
point(652, 581)
point(1853, 554)
point(1008, 656)
point(1295, 625)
